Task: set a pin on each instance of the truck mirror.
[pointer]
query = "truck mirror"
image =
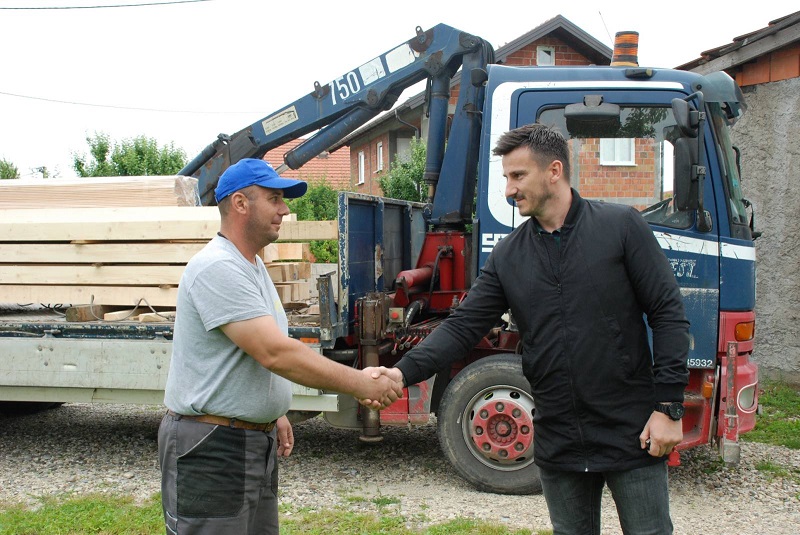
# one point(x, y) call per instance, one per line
point(592, 117)
point(686, 185)
point(478, 77)
point(684, 117)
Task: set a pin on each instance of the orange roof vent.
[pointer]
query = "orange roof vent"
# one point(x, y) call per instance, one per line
point(626, 50)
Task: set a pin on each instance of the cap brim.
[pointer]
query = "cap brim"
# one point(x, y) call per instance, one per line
point(292, 189)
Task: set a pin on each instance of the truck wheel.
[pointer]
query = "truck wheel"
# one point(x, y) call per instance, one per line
point(485, 426)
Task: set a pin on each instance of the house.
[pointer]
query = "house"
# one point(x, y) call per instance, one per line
point(766, 64)
point(376, 145)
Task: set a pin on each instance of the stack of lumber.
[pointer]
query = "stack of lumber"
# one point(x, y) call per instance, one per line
point(124, 257)
point(289, 268)
point(135, 191)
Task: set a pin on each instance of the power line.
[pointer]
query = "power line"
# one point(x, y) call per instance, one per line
point(121, 107)
point(108, 6)
point(606, 27)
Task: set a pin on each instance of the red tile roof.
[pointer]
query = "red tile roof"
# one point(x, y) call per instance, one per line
point(333, 167)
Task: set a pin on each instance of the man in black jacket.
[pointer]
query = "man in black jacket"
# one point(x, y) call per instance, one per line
point(579, 276)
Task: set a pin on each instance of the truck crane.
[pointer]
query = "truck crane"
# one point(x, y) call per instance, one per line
point(654, 138)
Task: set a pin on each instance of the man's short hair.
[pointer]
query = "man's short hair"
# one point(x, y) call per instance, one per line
point(546, 144)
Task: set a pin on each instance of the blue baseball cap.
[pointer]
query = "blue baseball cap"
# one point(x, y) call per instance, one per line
point(254, 172)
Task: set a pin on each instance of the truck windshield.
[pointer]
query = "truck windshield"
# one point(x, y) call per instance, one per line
point(731, 179)
point(629, 163)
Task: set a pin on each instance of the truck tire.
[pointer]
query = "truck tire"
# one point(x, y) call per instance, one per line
point(485, 426)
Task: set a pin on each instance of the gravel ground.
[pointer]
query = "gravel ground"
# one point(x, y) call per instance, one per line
point(79, 448)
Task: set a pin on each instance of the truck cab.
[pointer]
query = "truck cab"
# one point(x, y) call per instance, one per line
point(635, 153)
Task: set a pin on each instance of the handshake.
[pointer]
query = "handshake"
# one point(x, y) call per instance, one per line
point(382, 387)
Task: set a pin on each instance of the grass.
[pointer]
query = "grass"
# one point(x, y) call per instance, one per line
point(107, 515)
point(779, 424)
point(115, 515)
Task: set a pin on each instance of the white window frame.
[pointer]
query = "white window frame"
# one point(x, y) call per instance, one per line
point(361, 164)
point(623, 155)
point(379, 150)
point(549, 49)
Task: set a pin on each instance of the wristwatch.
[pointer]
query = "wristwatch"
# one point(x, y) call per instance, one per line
point(674, 410)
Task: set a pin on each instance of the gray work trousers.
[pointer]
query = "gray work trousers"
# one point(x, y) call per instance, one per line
point(216, 479)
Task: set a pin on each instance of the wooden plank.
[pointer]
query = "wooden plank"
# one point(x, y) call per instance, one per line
point(134, 224)
point(100, 253)
point(287, 251)
point(289, 271)
point(122, 224)
point(284, 292)
point(144, 275)
point(154, 317)
point(309, 230)
point(99, 191)
point(106, 295)
point(276, 273)
point(293, 291)
point(128, 314)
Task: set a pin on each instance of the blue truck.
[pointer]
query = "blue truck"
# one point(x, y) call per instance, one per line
point(657, 139)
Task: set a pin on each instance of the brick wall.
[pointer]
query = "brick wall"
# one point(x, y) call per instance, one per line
point(612, 182)
point(371, 171)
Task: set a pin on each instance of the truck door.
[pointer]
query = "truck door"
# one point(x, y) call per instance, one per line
point(629, 163)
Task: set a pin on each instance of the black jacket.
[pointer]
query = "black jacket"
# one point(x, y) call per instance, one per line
point(580, 308)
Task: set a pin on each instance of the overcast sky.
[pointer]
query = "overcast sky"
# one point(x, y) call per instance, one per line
point(184, 72)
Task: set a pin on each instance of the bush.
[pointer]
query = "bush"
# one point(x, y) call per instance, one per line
point(320, 203)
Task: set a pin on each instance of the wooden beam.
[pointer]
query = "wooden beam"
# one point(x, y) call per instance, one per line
point(287, 251)
point(87, 312)
point(293, 291)
point(309, 230)
point(138, 191)
point(289, 271)
point(99, 253)
point(153, 223)
point(105, 295)
point(143, 275)
point(128, 314)
point(154, 317)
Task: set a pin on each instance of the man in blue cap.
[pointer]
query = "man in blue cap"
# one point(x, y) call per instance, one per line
point(228, 387)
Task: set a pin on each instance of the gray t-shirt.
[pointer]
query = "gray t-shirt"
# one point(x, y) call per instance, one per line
point(208, 373)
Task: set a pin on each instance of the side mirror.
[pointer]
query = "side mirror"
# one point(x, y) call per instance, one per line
point(686, 118)
point(686, 186)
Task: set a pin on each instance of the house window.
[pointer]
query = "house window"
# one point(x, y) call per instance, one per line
point(361, 163)
point(380, 155)
point(545, 55)
point(617, 151)
point(403, 153)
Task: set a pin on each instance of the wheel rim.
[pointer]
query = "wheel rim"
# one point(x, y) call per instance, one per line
point(497, 425)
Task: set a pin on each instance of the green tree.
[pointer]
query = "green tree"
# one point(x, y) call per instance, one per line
point(8, 169)
point(404, 180)
point(320, 203)
point(140, 156)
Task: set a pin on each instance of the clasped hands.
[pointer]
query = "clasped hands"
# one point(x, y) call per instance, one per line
point(384, 387)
